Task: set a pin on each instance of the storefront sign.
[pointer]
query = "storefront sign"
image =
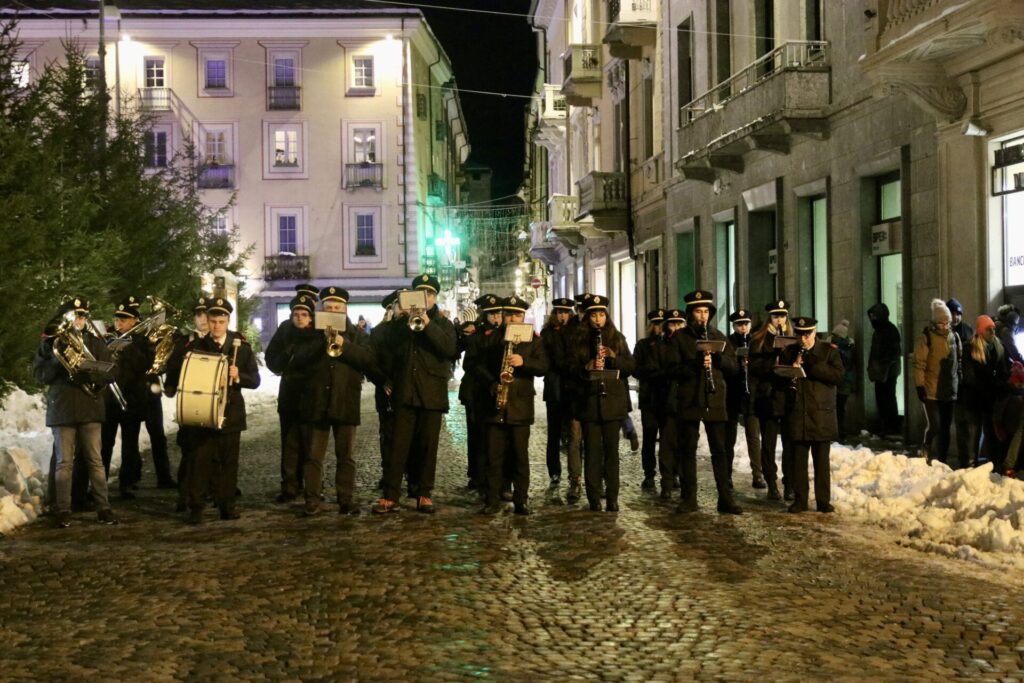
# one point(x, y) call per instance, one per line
point(773, 262)
point(1014, 242)
point(887, 238)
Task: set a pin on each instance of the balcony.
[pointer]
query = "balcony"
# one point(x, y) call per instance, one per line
point(284, 98)
point(551, 122)
point(216, 177)
point(155, 99)
point(632, 25)
point(286, 267)
point(364, 174)
point(564, 228)
point(603, 200)
point(784, 93)
point(913, 47)
point(544, 246)
point(582, 66)
point(437, 188)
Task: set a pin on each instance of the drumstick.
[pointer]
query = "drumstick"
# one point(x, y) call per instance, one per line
point(237, 343)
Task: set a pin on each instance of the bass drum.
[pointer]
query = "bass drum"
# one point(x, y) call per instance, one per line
point(202, 390)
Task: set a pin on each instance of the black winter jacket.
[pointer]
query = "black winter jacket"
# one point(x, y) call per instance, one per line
point(419, 363)
point(738, 398)
point(67, 403)
point(591, 405)
point(334, 386)
point(486, 367)
point(812, 400)
point(686, 366)
point(248, 376)
point(292, 353)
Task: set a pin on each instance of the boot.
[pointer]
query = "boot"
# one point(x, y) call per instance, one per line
point(773, 490)
point(727, 506)
point(575, 490)
point(758, 482)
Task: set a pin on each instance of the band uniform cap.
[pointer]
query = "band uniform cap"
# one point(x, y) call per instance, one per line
point(77, 304)
point(778, 306)
point(308, 289)
point(674, 315)
point(514, 303)
point(128, 307)
point(200, 305)
point(580, 298)
point(303, 301)
point(427, 281)
point(334, 294)
point(489, 303)
point(656, 316)
point(740, 316)
point(563, 304)
point(699, 297)
point(219, 305)
point(595, 302)
point(804, 324)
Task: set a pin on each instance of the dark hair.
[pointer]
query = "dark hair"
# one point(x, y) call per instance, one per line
point(552, 320)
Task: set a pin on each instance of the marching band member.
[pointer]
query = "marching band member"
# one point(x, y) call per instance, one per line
point(651, 394)
point(739, 402)
point(186, 437)
point(472, 396)
point(330, 403)
point(769, 395)
point(557, 395)
point(381, 395)
point(216, 455)
point(75, 410)
point(668, 414)
point(598, 349)
point(508, 425)
point(701, 393)
point(291, 353)
point(811, 419)
point(420, 362)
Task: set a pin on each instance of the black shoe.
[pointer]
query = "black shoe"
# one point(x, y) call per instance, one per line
point(168, 484)
point(686, 507)
point(472, 484)
point(574, 492)
point(523, 509)
point(506, 496)
point(63, 520)
point(491, 509)
point(229, 514)
point(612, 506)
point(634, 441)
point(285, 497)
point(127, 495)
point(728, 507)
point(666, 494)
point(602, 493)
point(796, 509)
point(180, 507)
point(773, 491)
point(675, 482)
point(311, 509)
point(789, 495)
point(556, 480)
point(348, 509)
point(647, 484)
point(826, 508)
point(106, 517)
point(758, 483)
point(595, 506)
point(195, 517)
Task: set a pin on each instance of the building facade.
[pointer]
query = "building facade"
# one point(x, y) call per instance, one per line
point(835, 155)
point(335, 134)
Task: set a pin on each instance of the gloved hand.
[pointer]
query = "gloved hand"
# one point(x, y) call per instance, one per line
point(921, 394)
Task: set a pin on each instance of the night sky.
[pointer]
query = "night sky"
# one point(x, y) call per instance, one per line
point(497, 54)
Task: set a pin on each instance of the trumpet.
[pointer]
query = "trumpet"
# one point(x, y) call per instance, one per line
point(416, 322)
point(333, 347)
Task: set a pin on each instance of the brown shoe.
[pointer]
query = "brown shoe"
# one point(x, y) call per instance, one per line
point(384, 506)
point(425, 505)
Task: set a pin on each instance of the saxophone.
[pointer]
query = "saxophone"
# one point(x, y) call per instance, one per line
point(505, 377)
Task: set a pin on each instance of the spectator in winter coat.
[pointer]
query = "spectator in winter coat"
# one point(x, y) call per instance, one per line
point(1007, 325)
point(884, 361)
point(844, 344)
point(937, 356)
point(966, 432)
point(985, 383)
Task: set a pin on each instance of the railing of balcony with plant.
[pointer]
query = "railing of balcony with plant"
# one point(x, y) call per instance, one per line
point(286, 267)
point(364, 174)
point(284, 98)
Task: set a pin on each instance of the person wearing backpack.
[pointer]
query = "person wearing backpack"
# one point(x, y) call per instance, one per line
point(937, 357)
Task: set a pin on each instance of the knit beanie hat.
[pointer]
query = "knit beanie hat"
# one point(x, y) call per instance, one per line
point(983, 324)
point(842, 330)
point(940, 312)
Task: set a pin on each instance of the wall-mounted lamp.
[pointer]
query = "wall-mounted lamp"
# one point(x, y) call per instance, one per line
point(972, 127)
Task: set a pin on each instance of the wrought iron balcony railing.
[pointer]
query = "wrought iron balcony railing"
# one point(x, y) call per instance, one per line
point(365, 174)
point(155, 99)
point(581, 63)
point(286, 267)
point(216, 177)
point(284, 98)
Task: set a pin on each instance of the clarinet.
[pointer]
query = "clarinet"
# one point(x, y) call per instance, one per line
point(599, 342)
point(745, 361)
point(709, 373)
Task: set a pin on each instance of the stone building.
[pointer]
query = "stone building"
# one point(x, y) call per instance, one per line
point(336, 126)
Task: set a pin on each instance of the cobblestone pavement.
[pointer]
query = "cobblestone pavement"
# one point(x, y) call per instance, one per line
point(565, 594)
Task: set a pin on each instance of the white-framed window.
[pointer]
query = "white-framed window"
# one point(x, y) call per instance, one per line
point(362, 75)
point(21, 71)
point(363, 154)
point(285, 150)
point(286, 229)
point(215, 63)
point(155, 72)
point(220, 224)
point(92, 71)
point(285, 69)
point(157, 147)
point(216, 145)
point(363, 237)
point(364, 144)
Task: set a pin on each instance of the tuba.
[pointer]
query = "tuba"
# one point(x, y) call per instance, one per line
point(70, 349)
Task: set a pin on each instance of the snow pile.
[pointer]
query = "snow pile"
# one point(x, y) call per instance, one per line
point(958, 513)
point(21, 495)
